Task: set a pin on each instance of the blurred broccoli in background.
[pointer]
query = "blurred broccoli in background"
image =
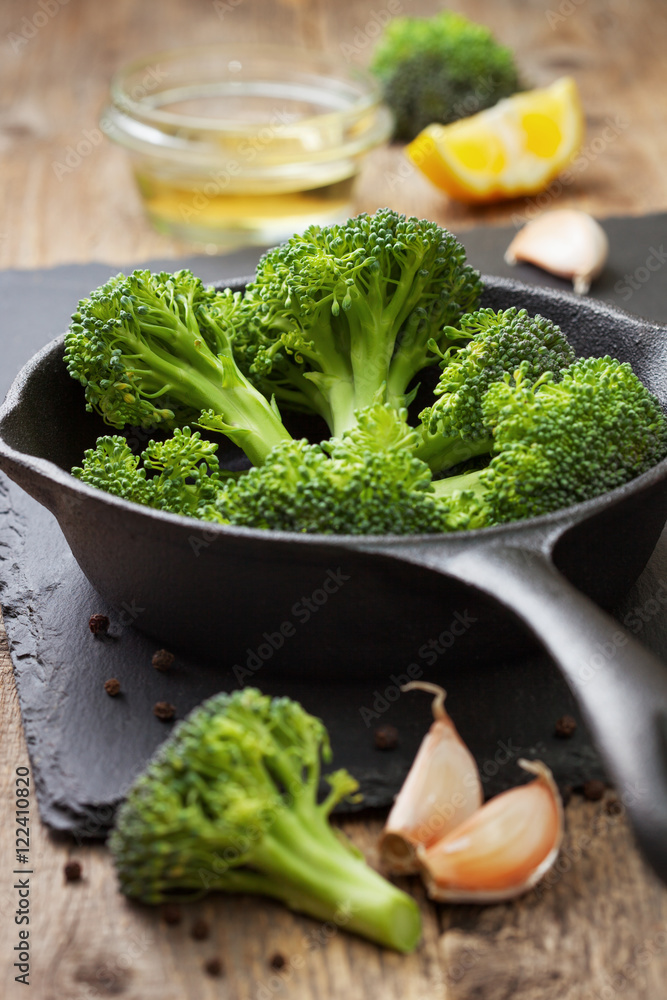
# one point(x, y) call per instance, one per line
point(441, 69)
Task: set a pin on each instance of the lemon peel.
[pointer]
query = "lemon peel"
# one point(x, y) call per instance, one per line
point(515, 148)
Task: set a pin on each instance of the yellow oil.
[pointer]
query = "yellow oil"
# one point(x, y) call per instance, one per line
point(259, 213)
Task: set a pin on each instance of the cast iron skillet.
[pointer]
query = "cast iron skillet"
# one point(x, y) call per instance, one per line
point(343, 607)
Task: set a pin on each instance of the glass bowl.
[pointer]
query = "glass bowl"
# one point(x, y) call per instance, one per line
point(237, 145)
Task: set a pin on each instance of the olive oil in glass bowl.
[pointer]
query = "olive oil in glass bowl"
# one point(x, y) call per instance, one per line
point(244, 145)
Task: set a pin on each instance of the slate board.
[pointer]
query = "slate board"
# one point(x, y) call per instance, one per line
point(85, 747)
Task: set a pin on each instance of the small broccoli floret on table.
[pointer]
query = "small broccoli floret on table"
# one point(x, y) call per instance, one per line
point(492, 345)
point(156, 349)
point(343, 316)
point(230, 802)
point(367, 483)
point(560, 443)
point(440, 69)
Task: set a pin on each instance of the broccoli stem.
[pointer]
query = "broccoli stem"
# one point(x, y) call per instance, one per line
point(301, 862)
point(401, 374)
point(196, 377)
point(441, 453)
point(374, 323)
point(301, 394)
point(468, 481)
point(343, 400)
point(253, 423)
point(405, 365)
point(371, 343)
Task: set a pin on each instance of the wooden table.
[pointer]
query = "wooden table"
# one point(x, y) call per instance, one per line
point(600, 930)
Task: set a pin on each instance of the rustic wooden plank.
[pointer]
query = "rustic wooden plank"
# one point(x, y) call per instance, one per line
point(93, 211)
point(601, 929)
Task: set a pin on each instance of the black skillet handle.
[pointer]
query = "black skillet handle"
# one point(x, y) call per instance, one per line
point(621, 687)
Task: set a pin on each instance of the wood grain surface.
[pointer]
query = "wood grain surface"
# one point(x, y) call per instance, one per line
point(598, 928)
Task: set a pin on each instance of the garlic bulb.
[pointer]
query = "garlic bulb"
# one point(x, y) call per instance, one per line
point(566, 242)
point(502, 850)
point(442, 789)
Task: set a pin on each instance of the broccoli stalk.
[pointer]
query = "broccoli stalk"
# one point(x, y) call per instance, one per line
point(470, 483)
point(441, 453)
point(229, 802)
point(157, 349)
point(343, 316)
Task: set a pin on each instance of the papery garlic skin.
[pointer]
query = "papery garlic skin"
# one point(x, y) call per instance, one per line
point(566, 242)
point(442, 789)
point(503, 850)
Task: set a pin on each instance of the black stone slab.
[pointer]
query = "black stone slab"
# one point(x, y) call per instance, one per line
point(634, 277)
point(85, 746)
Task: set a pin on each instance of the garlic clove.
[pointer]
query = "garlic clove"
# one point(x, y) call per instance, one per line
point(442, 789)
point(503, 850)
point(566, 242)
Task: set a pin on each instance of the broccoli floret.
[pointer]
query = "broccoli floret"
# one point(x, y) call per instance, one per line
point(112, 466)
point(342, 316)
point(555, 431)
point(180, 475)
point(157, 349)
point(440, 69)
point(553, 443)
point(367, 483)
point(454, 428)
point(559, 443)
point(229, 803)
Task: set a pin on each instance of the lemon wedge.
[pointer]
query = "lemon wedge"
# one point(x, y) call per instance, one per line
point(516, 147)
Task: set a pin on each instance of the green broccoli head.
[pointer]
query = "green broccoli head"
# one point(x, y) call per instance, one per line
point(367, 483)
point(157, 349)
point(230, 802)
point(180, 474)
point(454, 428)
point(440, 69)
point(561, 443)
point(112, 466)
point(128, 338)
point(342, 316)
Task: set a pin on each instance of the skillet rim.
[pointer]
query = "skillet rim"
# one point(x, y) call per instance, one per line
point(564, 517)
